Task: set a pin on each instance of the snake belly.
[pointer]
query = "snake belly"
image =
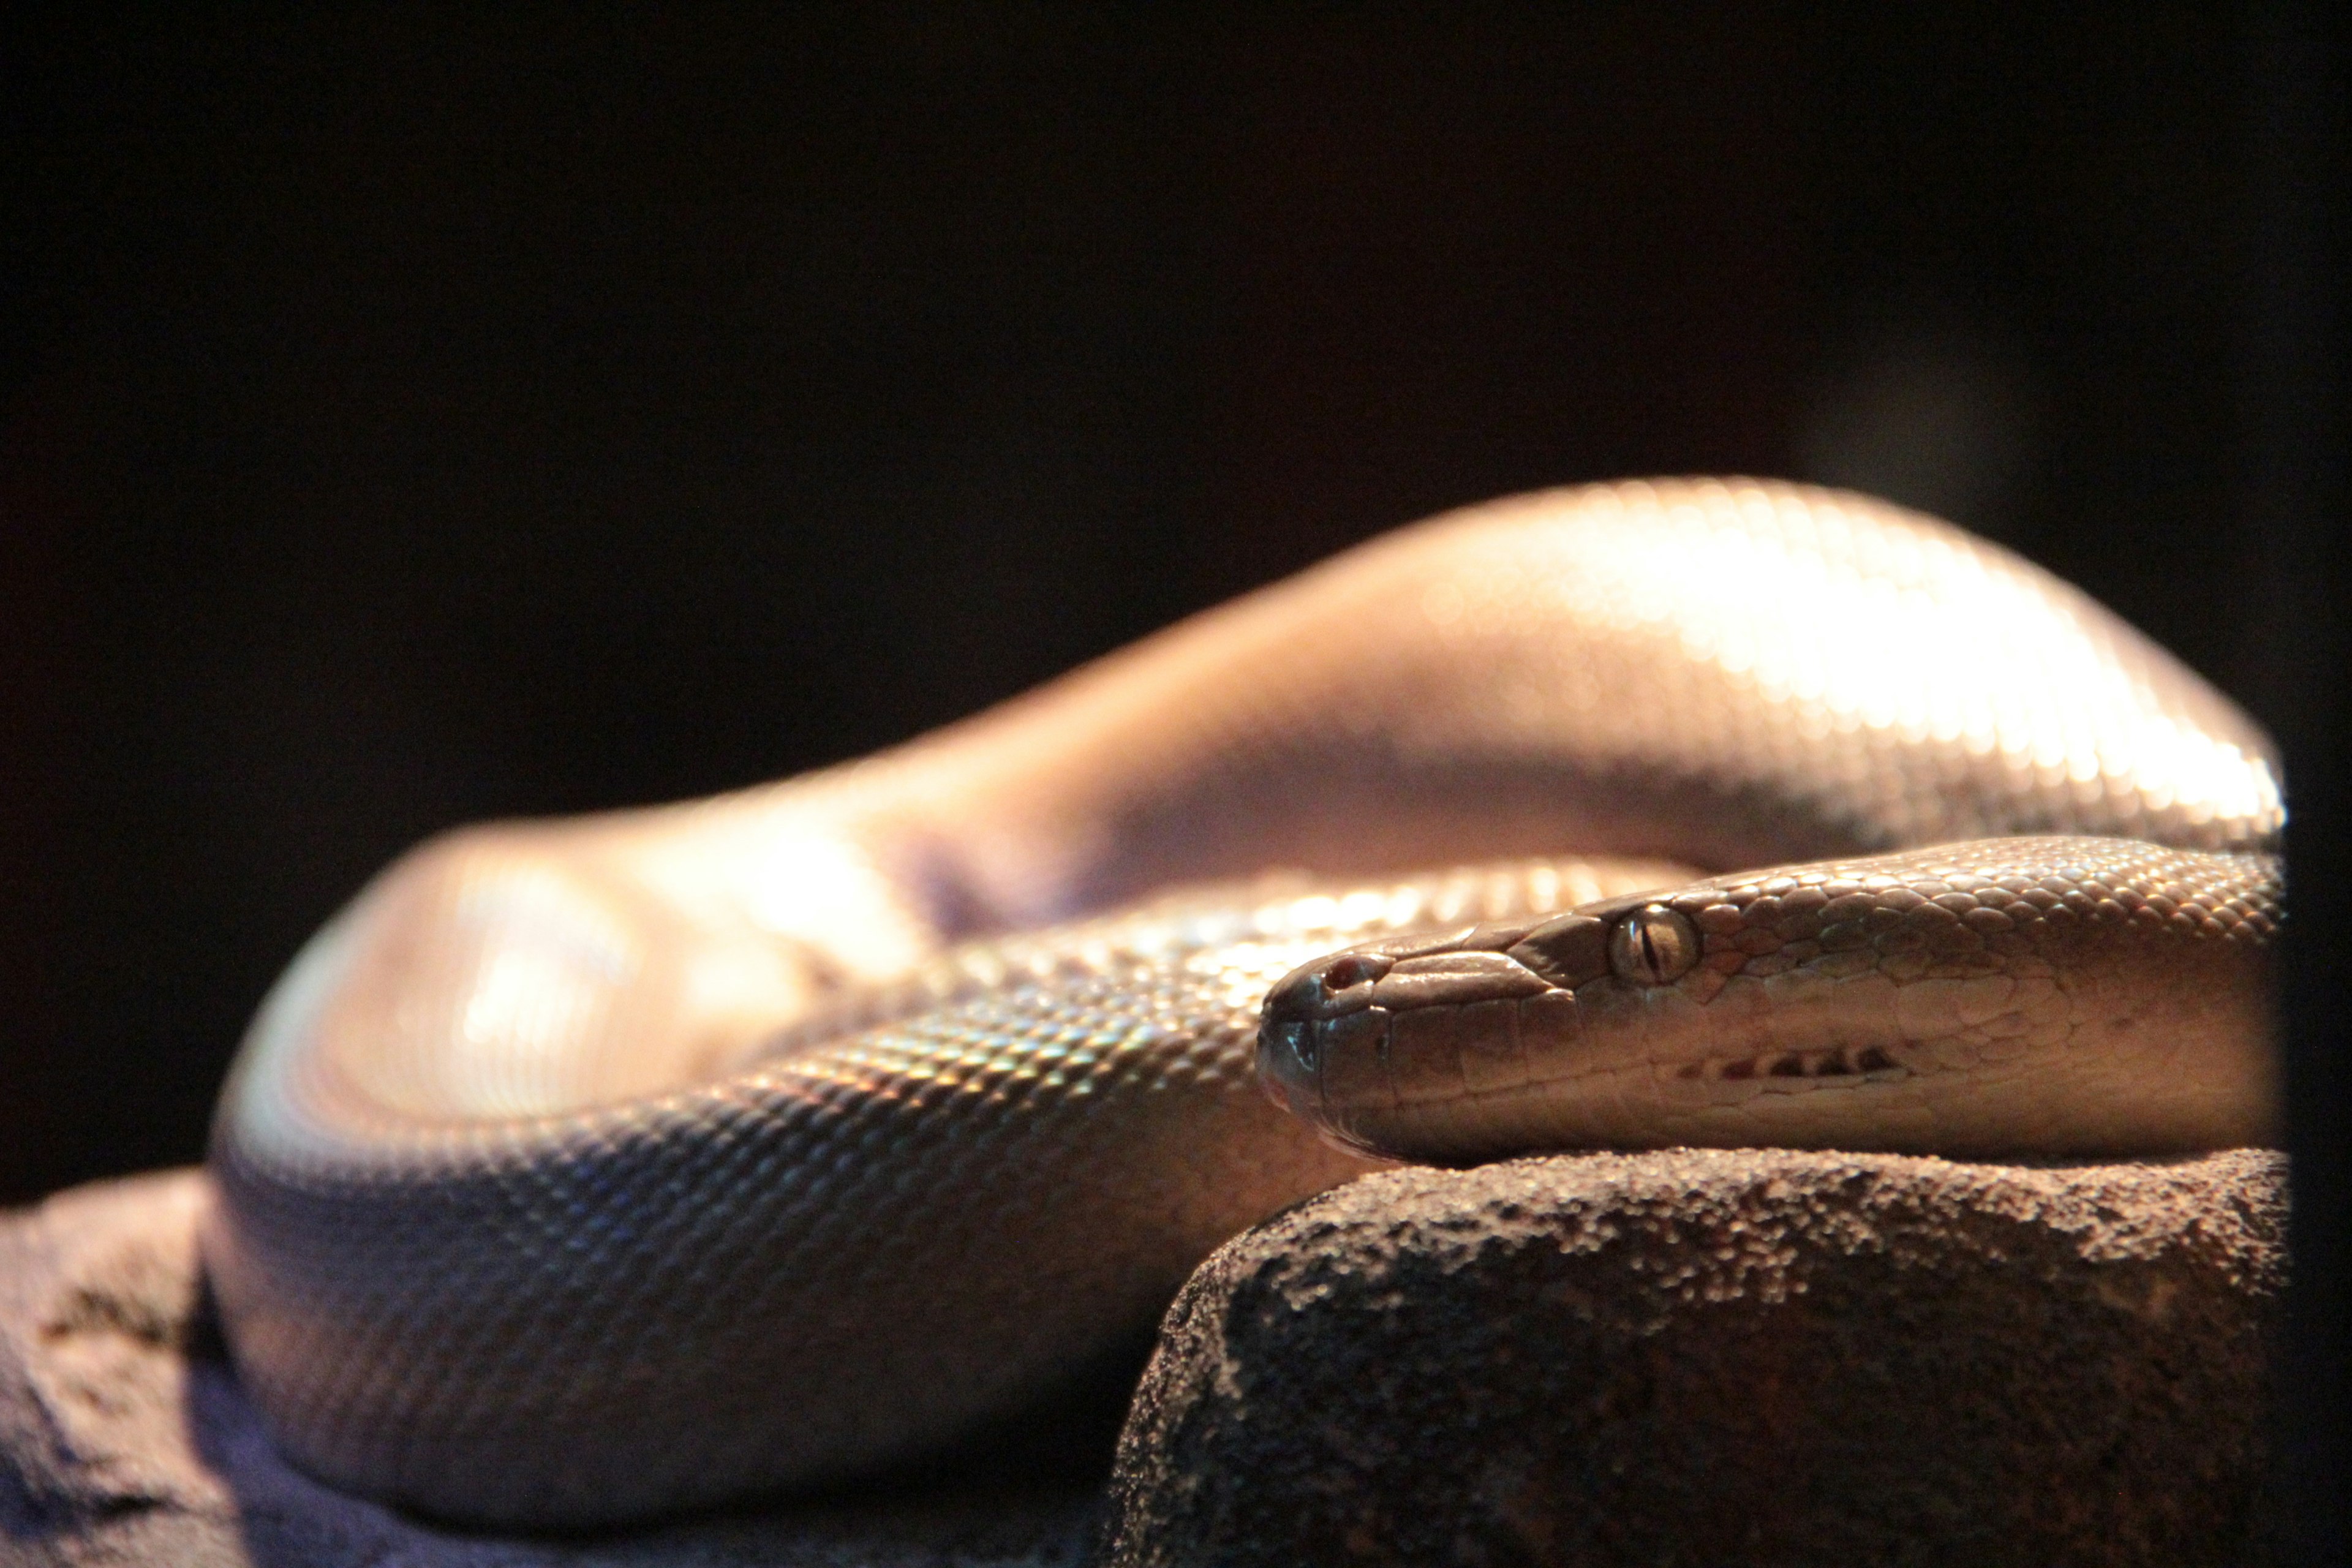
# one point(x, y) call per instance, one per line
point(582, 1171)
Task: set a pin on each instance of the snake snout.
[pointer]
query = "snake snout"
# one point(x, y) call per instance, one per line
point(1335, 985)
point(1324, 1031)
point(1295, 1020)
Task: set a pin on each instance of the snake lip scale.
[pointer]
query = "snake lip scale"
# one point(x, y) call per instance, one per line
point(582, 1171)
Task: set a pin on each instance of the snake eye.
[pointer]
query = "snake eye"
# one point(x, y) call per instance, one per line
point(1653, 945)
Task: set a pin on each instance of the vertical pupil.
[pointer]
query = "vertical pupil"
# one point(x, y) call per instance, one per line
point(1653, 945)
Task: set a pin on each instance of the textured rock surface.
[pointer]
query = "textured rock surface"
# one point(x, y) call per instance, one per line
point(1753, 1357)
point(1743, 1357)
point(124, 1440)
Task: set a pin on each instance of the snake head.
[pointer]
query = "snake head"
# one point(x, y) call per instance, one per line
point(1984, 998)
point(1345, 1040)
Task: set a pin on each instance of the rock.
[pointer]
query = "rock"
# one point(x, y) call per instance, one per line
point(1744, 1357)
point(1747, 1357)
point(125, 1440)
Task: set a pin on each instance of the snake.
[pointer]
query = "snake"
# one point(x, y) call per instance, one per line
point(584, 1170)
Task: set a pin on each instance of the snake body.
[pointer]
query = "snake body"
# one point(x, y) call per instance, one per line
point(580, 1170)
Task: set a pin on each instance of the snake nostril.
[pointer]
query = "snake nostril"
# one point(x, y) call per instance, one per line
point(1335, 984)
point(1352, 969)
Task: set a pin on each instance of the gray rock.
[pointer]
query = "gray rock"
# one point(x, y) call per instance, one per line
point(1752, 1357)
point(1746, 1357)
point(124, 1440)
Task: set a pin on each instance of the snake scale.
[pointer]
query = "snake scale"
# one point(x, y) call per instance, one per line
point(583, 1170)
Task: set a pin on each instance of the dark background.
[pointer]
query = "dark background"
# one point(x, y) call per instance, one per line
point(405, 420)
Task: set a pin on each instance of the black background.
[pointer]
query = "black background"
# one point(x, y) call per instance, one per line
point(406, 419)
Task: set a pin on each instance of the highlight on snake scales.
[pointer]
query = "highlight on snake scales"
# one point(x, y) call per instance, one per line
point(580, 1171)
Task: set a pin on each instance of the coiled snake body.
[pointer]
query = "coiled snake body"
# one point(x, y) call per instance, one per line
point(579, 1171)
